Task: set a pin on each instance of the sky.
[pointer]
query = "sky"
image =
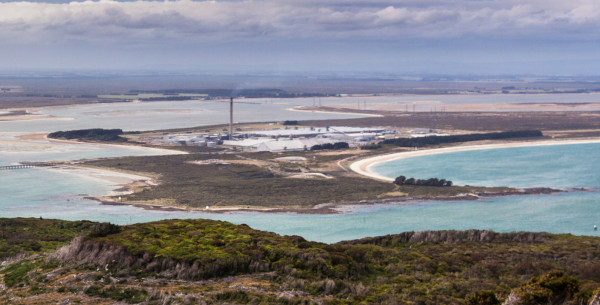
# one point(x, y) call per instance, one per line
point(405, 37)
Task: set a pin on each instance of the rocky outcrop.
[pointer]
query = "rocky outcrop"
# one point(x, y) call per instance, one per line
point(512, 299)
point(105, 255)
point(595, 299)
point(452, 236)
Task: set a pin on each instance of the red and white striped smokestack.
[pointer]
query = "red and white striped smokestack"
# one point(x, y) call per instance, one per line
point(231, 118)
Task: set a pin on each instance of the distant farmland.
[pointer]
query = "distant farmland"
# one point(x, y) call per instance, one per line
point(151, 96)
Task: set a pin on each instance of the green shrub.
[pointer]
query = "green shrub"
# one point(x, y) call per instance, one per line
point(482, 298)
point(104, 229)
point(554, 287)
point(17, 273)
point(129, 295)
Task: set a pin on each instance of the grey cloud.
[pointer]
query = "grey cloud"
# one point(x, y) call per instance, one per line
point(272, 19)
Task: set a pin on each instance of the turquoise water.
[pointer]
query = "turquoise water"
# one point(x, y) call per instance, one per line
point(559, 166)
point(57, 195)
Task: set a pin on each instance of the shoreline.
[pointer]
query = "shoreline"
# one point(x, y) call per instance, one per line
point(124, 183)
point(38, 137)
point(364, 167)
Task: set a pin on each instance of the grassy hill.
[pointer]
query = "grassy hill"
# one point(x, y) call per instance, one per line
point(215, 262)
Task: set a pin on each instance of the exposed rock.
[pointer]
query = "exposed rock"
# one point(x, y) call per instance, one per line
point(512, 299)
point(452, 236)
point(595, 299)
point(84, 251)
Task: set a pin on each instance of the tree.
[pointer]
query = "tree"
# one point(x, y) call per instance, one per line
point(341, 145)
point(399, 180)
point(402, 180)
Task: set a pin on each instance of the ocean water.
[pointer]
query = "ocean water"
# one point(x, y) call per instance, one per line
point(558, 166)
point(59, 195)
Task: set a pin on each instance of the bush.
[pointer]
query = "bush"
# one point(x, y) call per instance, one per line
point(129, 295)
point(17, 273)
point(104, 229)
point(554, 288)
point(482, 298)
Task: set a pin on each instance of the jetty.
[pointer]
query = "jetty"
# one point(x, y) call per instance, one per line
point(25, 165)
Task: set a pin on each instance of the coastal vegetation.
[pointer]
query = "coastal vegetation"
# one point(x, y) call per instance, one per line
point(402, 180)
point(437, 140)
point(336, 145)
point(30, 235)
point(251, 180)
point(255, 180)
point(290, 122)
point(214, 262)
point(95, 134)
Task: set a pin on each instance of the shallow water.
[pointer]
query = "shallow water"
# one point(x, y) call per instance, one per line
point(163, 115)
point(559, 166)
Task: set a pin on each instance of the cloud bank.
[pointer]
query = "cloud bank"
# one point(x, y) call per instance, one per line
point(405, 35)
point(275, 19)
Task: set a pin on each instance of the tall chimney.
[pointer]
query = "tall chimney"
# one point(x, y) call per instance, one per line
point(231, 118)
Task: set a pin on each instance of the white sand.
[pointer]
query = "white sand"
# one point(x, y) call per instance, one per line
point(114, 178)
point(364, 166)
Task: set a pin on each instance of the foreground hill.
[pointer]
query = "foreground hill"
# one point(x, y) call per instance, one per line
point(214, 262)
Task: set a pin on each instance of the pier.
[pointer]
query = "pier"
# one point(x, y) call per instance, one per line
point(29, 165)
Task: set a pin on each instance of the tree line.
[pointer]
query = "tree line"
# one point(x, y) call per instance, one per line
point(402, 180)
point(435, 140)
point(95, 134)
point(337, 145)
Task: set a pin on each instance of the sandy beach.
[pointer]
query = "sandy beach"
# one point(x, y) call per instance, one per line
point(364, 166)
point(123, 183)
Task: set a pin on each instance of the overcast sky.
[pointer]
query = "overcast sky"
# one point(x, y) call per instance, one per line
point(544, 37)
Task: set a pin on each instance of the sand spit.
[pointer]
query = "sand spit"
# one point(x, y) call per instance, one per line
point(123, 183)
point(303, 109)
point(364, 166)
point(37, 138)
